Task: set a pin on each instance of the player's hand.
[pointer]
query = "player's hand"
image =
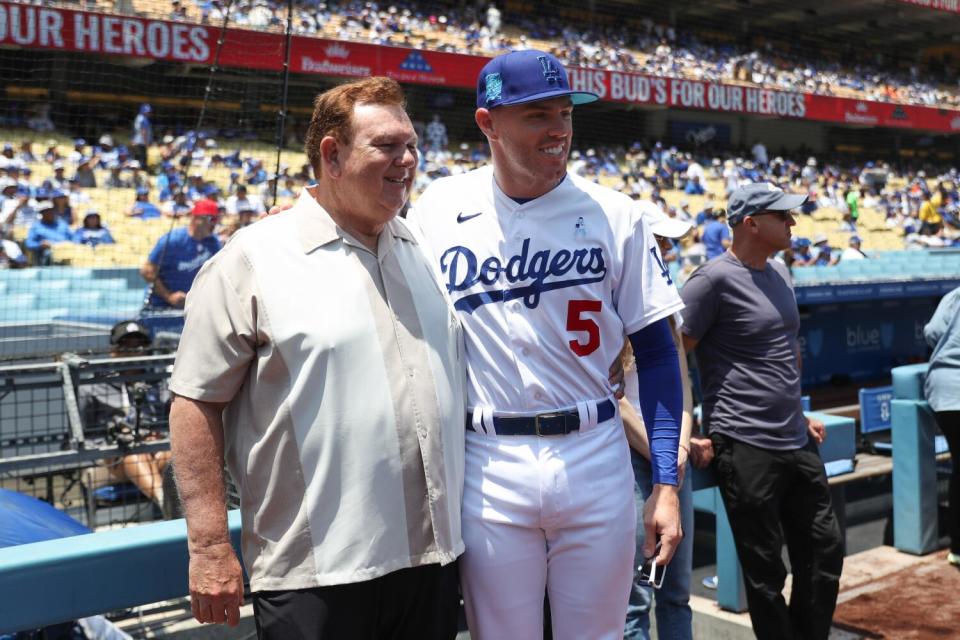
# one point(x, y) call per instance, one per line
point(661, 521)
point(177, 299)
point(817, 430)
point(701, 452)
point(279, 208)
point(216, 584)
point(616, 378)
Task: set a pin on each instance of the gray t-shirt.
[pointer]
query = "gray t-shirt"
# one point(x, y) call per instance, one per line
point(746, 324)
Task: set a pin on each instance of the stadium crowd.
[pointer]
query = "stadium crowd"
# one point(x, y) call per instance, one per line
point(924, 208)
point(638, 44)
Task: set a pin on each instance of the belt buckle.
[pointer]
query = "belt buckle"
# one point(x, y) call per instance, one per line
point(555, 414)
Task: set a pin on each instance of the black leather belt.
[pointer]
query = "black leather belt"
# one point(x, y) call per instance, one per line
point(556, 423)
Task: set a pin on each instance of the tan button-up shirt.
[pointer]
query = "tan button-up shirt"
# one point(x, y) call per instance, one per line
point(344, 377)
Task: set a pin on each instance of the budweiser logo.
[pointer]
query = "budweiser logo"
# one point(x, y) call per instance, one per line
point(337, 51)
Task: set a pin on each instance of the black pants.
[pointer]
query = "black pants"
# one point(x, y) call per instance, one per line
point(774, 497)
point(421, 602)
point(949, 423)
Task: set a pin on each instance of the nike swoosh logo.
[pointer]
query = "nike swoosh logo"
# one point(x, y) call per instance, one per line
point(462, 218)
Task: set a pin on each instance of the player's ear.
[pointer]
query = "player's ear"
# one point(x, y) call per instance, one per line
point(331, 157)
point(484, 120)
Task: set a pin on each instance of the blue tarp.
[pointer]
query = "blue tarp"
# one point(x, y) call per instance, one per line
point(24, 519)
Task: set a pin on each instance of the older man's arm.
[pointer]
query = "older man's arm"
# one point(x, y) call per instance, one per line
point(216, 578)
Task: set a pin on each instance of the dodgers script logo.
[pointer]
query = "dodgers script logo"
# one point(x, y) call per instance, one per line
point(534, 274)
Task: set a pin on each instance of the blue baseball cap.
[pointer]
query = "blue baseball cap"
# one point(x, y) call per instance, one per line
point(519, 77)
point(754, 198)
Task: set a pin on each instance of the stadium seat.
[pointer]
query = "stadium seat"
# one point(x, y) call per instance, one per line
point(828, 274)
point(64, 273)
point(16, 275)
point(77, 300)
point(18, 301)
point(38, 286)
point(16, 316)
point(850, 270)
point(874, 269)
point(98, 284)
point(805, 275)
point(128, 298)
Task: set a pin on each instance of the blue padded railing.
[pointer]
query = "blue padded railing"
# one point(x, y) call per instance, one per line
point(914, 429)
point(59, 580)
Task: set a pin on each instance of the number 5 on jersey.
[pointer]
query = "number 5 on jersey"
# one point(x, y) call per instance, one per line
point(577, 320)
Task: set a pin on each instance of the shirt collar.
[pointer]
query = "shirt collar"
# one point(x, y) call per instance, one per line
point(317, 228)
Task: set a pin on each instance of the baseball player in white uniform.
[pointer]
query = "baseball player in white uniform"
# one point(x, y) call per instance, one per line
point(548, 273)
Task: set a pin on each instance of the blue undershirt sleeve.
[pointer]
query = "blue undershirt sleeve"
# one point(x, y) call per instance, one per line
point(661, 396)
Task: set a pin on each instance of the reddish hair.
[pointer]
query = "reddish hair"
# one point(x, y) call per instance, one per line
point(333, 111)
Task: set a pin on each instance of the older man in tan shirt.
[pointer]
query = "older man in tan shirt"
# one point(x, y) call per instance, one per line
point(321, 361)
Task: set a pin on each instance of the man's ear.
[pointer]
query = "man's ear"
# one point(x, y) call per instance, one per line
point(484, 120)
point(331, 157)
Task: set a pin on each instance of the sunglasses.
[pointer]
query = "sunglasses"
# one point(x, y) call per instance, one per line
point(782, 215)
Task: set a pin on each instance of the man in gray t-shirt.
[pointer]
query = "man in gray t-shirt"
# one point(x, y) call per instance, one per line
point(741, 317)
point(748, 364)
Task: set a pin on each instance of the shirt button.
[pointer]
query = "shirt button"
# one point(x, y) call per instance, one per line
point(525, 351)
point(538, 395)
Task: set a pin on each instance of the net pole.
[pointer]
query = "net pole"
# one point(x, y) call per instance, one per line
point(207, 91)
point(282, 114)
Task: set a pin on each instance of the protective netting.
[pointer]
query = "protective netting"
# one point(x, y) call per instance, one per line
point(124, 114)
point(120, 120)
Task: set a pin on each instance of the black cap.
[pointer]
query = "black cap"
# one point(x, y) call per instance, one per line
point(129, 328)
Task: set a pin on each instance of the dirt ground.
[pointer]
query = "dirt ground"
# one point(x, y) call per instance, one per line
point(918, 603)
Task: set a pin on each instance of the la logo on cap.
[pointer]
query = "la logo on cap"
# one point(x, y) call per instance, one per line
point(551, 73)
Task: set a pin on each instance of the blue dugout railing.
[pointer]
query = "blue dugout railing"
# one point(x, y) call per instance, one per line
point(914, 429)
point(58, 580)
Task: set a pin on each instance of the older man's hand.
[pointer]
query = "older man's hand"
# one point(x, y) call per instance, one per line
point(216, 584)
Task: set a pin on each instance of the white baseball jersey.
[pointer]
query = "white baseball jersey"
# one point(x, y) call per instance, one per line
point(547, 289)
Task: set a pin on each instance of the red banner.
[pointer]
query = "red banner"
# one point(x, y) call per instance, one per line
point(45, 28)
point(953, 6)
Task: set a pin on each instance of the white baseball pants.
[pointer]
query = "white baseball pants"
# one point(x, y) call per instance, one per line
point(554, 513)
